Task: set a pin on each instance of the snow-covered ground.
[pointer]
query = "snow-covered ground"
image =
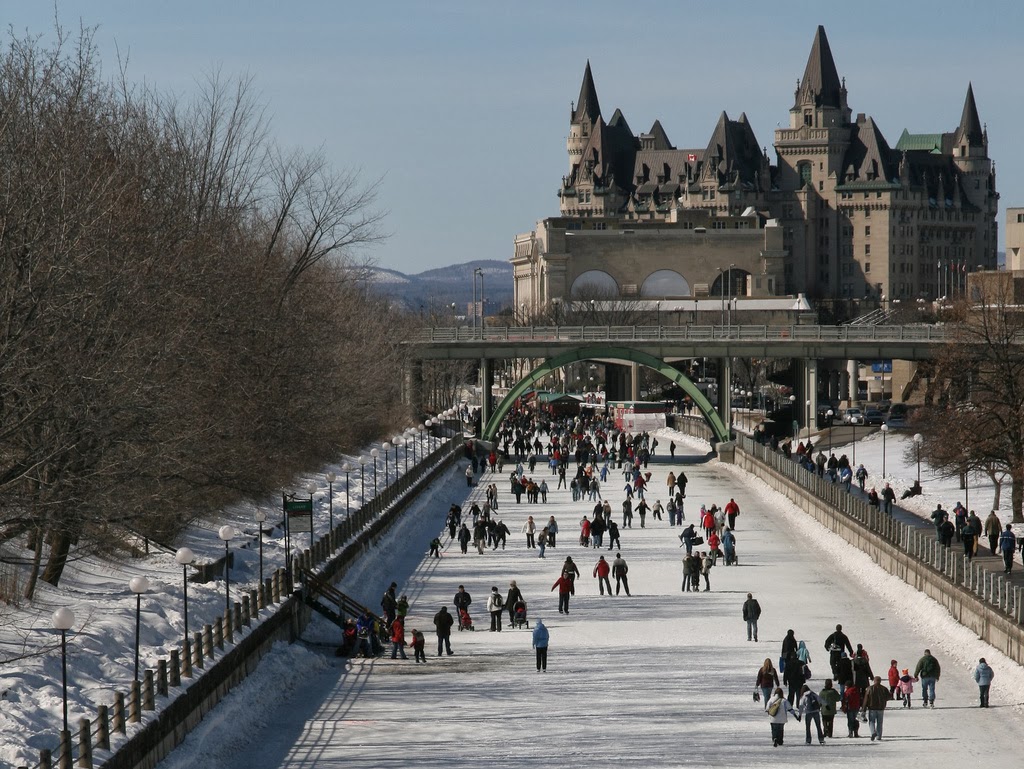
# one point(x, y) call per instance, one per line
point(101, 643)
point(661, 678)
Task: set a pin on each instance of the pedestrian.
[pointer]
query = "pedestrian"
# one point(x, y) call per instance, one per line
point(627, 513)
point(689, 565)
point(552, 531)
point(789, 646)
point(888, 497)
point(862, 674)
point(613, 535)
point(402, 607)
point(706, 563)
point(1007, 546)
point(389, 603)
point(443, 622)
point(570, 569)
point(729, 546)
point(835, 644)
point(767, 680)
point(928, 671)
point(906, 687)
point(462, 601)
point(464, 537)
point(810, 708)
point(829, 704)
point(851, 706)
point(970, 541)
point(398, 639)
point(751, 613)
point(687, 537)
point(565, 589)
point(983, 675)
point(540, 644)
point(894, 681)
point(778, 708)
point(435, 547)
point(469, 475)
point(672, 449)
point(993, 528)
point(875, 700)
point(514, 595)
point(530, 529)
point(418, 644)
point(601, 572)
point(501, 532)
point(794, 676)
point(494, 607)
point(619, 569)
point(542, 541)
point(731, 511)
point(844, 673)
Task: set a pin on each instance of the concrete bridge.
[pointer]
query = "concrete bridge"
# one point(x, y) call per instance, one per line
point(657, 347)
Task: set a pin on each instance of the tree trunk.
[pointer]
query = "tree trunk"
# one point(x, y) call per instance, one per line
point(1017, 497)
point(37, 555)
point(60, 543)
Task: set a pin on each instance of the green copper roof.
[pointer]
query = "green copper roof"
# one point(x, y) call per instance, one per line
point(927, 142)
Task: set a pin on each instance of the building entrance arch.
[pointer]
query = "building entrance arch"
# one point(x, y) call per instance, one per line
point(671, 373)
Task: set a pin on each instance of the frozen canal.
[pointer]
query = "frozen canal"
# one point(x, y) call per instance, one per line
point(659, 679)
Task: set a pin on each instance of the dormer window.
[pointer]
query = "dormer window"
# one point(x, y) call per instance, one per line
point(805, 174)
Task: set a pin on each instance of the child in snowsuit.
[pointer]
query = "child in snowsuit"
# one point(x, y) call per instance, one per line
point(418, 642)
point(435, 547)
point(906, 686)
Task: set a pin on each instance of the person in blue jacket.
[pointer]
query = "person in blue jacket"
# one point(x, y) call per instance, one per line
point(983, 675)
point(540, 643)
point(1007, 544)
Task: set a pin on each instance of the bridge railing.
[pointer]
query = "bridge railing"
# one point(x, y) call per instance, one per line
point(910, 333)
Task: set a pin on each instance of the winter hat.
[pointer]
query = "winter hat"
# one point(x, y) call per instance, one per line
point(905, 672)
point(494, 588)
point(893, 662)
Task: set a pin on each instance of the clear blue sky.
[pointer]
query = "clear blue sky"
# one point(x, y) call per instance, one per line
point(462, 106)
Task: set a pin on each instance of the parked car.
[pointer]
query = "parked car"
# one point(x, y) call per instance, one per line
point(853, 417)
point(873, 417)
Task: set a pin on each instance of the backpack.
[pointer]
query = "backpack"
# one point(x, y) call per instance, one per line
point(773, 709)
point(496, 599)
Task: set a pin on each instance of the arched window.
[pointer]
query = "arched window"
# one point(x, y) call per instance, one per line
point(665, 283)
point(595, 282)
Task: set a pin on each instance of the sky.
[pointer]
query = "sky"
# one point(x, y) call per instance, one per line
point(461, 107)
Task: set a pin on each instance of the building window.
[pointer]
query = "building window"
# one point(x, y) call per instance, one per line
point(867, 249)
point(867, 231)
point(867, 267)
point(805, 174)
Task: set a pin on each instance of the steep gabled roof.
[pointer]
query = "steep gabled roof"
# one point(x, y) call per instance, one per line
point(820, 83)
point(970, 126)
point(733, 150)
point(587, 107)
point(869, 157)
point(658, 137)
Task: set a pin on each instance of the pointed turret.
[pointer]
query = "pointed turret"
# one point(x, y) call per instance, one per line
point(587, 107)
point(820, 84)
point(970, 131)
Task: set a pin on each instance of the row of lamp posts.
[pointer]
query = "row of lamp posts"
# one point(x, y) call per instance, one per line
point(63, 619)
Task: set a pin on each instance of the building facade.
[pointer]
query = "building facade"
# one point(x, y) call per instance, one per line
point(840, 214)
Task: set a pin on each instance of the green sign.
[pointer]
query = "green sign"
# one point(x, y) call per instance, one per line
point(298, 506)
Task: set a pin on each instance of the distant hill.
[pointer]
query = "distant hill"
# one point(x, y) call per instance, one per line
point(434, 291)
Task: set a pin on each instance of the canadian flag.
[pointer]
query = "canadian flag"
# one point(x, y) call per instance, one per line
point(690, 157)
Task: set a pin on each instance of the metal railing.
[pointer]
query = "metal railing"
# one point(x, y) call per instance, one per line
point(917, 540)
point(750, 333)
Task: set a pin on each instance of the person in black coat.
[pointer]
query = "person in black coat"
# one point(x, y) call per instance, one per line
point(794, 677)
point(443, 622)
point(835, 644)
point(789, 646)
point(514, 595)
point(844, 672)
point(464, 537)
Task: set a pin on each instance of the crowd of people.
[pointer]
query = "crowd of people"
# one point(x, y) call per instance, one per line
point(530, 446)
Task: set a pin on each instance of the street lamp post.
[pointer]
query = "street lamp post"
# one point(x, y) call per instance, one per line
point(807, 413)
point(721, 280)
point(918, 440)
point(331, 477)
point(62, 620)
point(884, 428)
point(374, 453)
point(386, 448)
point(474, 301)
point(829, 414)
point(185, 556)
point(792, 411)
point(397, 441)
point(362, 481)
point(227, 533)
point(138, 585)
point(347, 468)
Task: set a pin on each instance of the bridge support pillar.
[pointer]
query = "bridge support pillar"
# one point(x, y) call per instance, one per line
point(807, 392)
point(616, 382)
point(634, 381)
point(412, 386)
point(851, 374)
point(725, 392)
point(485, 390)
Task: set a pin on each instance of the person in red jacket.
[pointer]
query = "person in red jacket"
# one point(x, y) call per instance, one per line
point(732, 510)
point(714, 542)
point(894, 682)
point(565, 589)
point(601, 571)
point(398, 639)
point(707, 522)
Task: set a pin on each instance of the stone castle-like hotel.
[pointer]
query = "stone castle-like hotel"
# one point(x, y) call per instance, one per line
point(841, 214)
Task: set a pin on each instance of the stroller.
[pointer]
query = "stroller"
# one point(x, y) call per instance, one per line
point(465, 622)
point(519, 614)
